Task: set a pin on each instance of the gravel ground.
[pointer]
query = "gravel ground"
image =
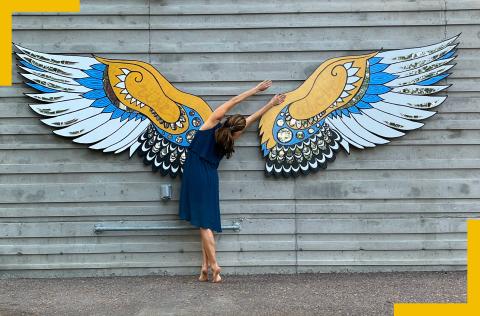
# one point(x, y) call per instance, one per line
point(302, 294)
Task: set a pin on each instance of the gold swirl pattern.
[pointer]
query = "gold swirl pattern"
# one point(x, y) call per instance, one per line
point(140, 87)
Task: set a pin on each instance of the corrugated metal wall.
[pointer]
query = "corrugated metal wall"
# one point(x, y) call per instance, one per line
point(396, 207)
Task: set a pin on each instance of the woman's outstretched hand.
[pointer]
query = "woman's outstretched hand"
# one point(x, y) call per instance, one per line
point(277, 99)
point(264, 85)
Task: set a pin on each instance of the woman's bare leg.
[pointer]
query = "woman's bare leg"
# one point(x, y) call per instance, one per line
point(209, 244)
point(204, 271)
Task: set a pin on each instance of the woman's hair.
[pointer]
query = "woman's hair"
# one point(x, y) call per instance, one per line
point(224, 134)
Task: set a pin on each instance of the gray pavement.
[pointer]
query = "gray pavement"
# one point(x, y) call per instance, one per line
point(302, 294)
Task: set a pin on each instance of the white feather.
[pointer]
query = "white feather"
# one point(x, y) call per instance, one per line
point(348, 134)
point(402, 111)
point(418, 62)
point(418, 78)
point(101, 132)
point(418, 89)
point(84, 126)
point(59, 70)
point(416, 101)
point(72, 117)
point(131, 137)
point(60, 108)
point(54, 96)
point(376, 127)
point(391, 120)
point(72, 61)
point(51, 76)
point(120, 134)
point(361, 131)
point(134, 147)
point(132, 143)
point(345, 145)
point(400, 55)
point(56, 85)
point(425, 69)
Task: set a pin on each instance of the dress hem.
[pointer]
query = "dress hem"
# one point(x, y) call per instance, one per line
point(200, 225)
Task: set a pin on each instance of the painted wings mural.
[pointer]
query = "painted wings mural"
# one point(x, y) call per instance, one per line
point(114, 105)
point(354, 101)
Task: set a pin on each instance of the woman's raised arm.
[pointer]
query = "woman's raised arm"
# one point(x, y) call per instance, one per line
point(277, 99)
point(223, 109)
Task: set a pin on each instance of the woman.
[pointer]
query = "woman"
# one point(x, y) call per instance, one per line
point(199, 194)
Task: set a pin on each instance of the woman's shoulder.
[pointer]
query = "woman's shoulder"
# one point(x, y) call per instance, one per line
point(209, 127)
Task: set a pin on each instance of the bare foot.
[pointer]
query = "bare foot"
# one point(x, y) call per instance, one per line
point(216, 274)
point(203, 275)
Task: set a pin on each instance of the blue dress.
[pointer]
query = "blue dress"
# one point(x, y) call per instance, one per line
point(199, 194)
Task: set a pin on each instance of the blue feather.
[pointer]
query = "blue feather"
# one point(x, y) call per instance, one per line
point(345, 112)
point(354, 109)
point(449, 54)
point(94, 94)
point(371, 98)
point(92, 83)
point(125, 116)
point(109, 109)
point(99, 66)
point(265, 150)
point(40, 87)
point(28, 65)
point(117, 113)
point(381, 78)
point(94, 73)
point(377, 89)
point(363, 105)
point(378, 67)
point(101, 103)
point(132, 115)
point(433, 80)
point(374, 60)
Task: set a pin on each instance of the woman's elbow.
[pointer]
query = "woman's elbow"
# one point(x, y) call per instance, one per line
point(218, 115)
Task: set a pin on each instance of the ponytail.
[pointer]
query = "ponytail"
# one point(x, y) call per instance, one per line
point(224, 134)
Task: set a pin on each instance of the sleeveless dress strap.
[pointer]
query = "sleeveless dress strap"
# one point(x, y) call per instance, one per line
point(204, 145)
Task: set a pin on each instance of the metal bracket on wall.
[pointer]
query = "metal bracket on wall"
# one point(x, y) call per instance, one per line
point(122, 226)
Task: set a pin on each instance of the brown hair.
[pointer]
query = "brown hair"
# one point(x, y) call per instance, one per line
point(224, 134)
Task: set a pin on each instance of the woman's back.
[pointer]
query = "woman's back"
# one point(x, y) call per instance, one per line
point(204, 145)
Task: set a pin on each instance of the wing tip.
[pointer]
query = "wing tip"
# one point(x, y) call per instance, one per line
point(20, 48)
point(456, 36)
point(451, 39)
point(34, 108)
point(60, 132)
point(30, 95)
point(46, 121)
point(345, 145)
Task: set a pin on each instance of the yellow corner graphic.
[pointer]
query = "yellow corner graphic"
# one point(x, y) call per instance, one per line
point(7, 8)
point(472, 307)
